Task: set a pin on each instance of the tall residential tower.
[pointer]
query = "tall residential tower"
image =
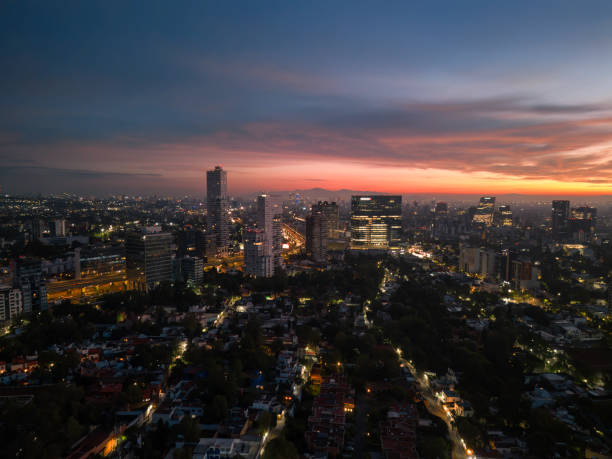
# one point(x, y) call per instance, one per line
point(263, 244)
point(217, 210)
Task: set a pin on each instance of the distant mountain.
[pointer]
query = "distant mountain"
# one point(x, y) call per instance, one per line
point(321, 194)
point(315, 194)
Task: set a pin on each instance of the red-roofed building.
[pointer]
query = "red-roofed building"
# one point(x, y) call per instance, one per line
point(326, 424)
point(398, 432)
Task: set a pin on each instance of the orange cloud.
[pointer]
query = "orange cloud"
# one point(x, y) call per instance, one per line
point(462, 148)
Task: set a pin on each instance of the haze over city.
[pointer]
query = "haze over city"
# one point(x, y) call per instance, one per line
point(102, 97)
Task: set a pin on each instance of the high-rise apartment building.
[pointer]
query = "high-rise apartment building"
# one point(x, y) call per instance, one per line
point(484, 211)
point(149, 257)
point(376, 222)
point(59, 227)
point(560, 215)
point(263, 243)
point(257, 261)
point(317, 234)
point(277, 241)
point(265, 219)
point(441, 209)
point(28, 277)
point(217, 210)
point(192, 242)
point(330, 211)
point(37, 227)
point(504, 216)
point(11, 303)
point(192, 269)
point(582, 221)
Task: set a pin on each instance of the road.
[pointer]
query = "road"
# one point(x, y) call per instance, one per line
point(272, 434)
point(183, 345)
point(432, 404)
point(293, 236)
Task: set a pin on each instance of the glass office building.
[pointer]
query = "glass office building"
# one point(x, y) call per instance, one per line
point(376, 222)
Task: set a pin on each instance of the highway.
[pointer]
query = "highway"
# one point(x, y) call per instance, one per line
point(293, 236)
point(89, 287)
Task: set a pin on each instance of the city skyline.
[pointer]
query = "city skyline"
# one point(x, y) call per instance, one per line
point(286, 230)
point(481, 99)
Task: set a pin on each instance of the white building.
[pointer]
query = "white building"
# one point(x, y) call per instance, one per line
point(257, 261)
point(11, 303)
point(263, 244)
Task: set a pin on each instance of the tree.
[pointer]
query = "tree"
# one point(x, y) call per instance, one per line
point(218, 408)
point(280, 448)
point(191, 325)
point(189, 428)
point(132, 394)
point(434, 447)
point(266, 421)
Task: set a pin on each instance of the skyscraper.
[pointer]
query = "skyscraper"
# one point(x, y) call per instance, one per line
point(484, 211)
point(560, 214)
point(265, 221)
point(59, 227)
point(330, 211)
point(11, 303)
point(277, 241)
point(504, 216)
point(263, 243)
point(28, 278)
point(256, 261)
point(582, 221)
point(376, 222)
point(149, 257)
point(217, 209)
point(192, 269)
point(441, 209)
point(317, 234)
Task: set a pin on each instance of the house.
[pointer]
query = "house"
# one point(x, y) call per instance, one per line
point(225, 448)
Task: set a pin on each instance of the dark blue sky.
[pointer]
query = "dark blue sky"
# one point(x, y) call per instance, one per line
point(144, 96)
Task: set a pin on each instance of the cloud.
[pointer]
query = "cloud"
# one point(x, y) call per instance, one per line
point(459, 137)
point(262, 74)
point(495, 137)
point(70, 173)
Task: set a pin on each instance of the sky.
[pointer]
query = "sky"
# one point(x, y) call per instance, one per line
point(405, 97)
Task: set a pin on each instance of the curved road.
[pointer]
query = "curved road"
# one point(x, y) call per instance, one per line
point(434, 406)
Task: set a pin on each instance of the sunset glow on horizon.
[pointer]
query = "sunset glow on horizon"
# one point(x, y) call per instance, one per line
point(310, 96)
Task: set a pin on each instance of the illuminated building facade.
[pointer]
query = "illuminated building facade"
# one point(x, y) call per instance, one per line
point(504, 216)
point(485, 211)
point(376, 222)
